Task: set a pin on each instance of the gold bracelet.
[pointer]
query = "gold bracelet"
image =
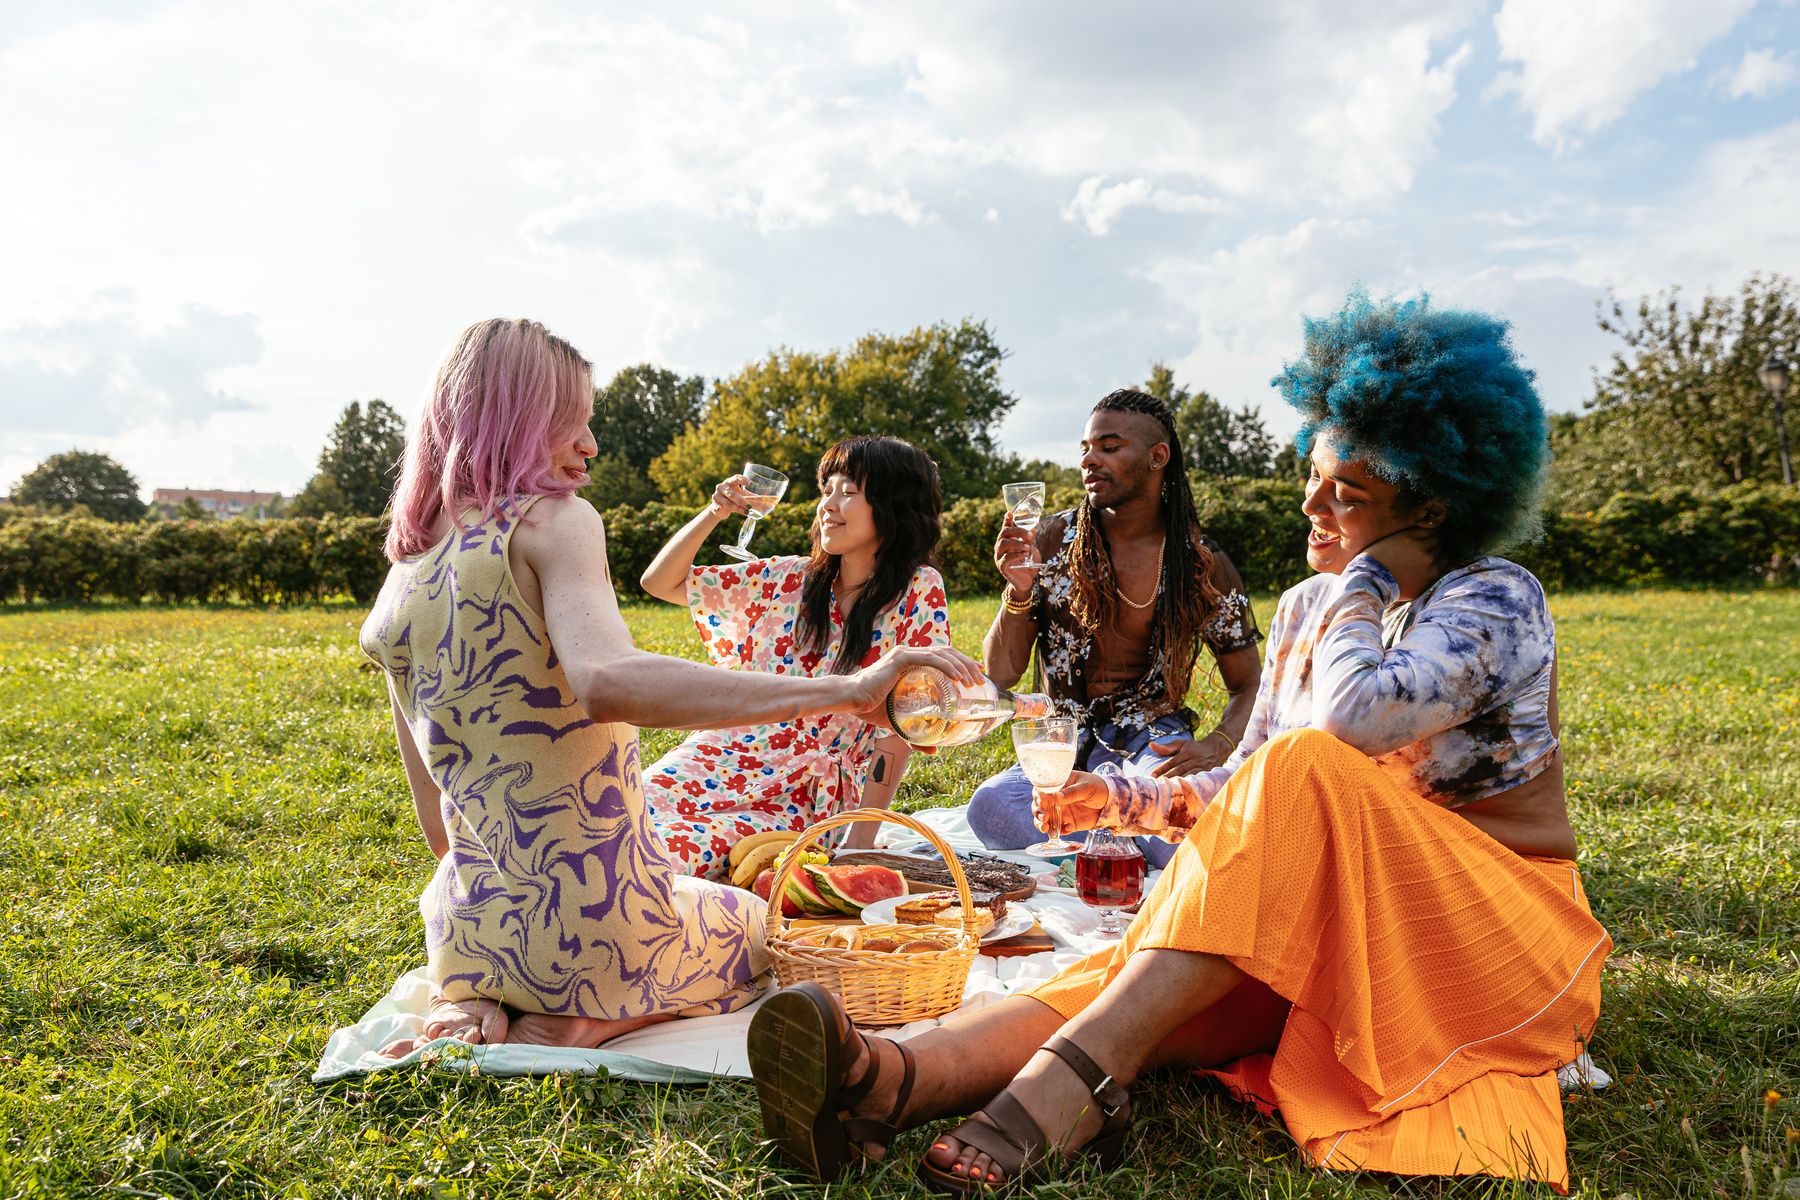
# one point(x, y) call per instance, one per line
point(1231, 741)
point(1020, 607)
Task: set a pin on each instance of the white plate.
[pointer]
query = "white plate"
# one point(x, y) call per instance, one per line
point(1016, 921)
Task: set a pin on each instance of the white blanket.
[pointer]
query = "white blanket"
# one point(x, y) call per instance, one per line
point(693, 1051)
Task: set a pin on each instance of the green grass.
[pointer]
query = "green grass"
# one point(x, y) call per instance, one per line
point(210, 862)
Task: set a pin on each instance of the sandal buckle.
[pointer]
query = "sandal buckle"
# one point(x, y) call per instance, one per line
point(1115, 1099)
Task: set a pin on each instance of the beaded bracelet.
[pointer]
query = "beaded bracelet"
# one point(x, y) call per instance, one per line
point(1006, 601)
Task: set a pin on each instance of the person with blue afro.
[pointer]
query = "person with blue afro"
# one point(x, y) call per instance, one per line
point(1373, 921)
point(1435, 401)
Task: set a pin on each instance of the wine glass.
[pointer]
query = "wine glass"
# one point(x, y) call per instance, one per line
point(1046, 749)
point(1025, 501)
point(1109, 876)
point(766, 486)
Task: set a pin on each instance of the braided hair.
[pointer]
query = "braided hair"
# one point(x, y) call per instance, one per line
point(1186, 596)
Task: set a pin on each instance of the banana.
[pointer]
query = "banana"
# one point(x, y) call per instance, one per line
point(756, 862)
point(759, 839)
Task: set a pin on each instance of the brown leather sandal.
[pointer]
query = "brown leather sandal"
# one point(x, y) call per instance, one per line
point(799, 1061)
point(1015, 1143)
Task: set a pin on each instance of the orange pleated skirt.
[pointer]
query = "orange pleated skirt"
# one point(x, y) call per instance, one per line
point(1437, 979)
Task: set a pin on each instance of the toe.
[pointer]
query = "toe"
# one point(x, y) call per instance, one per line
point(982, 1167)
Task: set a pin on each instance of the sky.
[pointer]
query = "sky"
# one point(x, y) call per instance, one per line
point(220, 222)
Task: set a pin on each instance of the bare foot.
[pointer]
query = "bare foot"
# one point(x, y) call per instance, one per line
point(472, 1021)
point(1053, 1095)
point(582, 1033)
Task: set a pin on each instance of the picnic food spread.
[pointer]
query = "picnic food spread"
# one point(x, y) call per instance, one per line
point(942, 908)
point(819, 888)
point(985, 872)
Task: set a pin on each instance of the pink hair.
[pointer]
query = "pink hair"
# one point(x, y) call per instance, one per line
point(505, 396)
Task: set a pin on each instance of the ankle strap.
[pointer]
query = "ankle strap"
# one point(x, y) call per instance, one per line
point(1106, 1092)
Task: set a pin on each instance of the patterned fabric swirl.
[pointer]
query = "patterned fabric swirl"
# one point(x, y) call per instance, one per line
point(556, 895)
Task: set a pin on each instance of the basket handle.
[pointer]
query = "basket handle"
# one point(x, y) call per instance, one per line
point(791, 858)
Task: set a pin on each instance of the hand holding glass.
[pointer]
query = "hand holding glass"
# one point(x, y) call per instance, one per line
point(766, 487)
point(1025, 501)
point(1046, 749)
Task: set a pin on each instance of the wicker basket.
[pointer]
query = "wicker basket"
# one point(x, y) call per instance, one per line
point(877, 987)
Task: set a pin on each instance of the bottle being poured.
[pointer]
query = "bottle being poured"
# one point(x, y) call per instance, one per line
point(928, 708)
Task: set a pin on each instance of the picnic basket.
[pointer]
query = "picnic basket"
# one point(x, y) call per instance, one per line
point(877, 987)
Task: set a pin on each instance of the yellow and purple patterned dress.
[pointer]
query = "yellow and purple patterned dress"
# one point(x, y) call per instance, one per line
point(556, 895)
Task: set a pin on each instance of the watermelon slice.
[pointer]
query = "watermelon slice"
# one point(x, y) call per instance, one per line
point(764, 882)
point(851, 889)
point(801, 890)
point(827, 888)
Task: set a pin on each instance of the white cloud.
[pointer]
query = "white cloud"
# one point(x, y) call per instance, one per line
point(1734, 217)
point(1246, 303)
point(1758, 73)
point(693, 185)
point(119, 367)
point(1581, 64)
point(1098, 206)
point(1300, 98)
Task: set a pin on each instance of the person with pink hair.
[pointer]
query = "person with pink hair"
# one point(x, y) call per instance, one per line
point(555, 916)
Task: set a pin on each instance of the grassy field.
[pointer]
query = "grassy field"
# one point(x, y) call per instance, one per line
point(210, 862)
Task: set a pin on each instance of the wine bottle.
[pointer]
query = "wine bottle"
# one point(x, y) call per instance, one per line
point(928, 708)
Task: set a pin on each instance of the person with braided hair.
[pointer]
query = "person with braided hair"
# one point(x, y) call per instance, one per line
point(1130, 591)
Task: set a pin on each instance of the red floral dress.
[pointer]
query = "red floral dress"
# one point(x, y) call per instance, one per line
point(722, 785)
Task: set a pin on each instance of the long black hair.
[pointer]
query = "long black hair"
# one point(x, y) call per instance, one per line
point(1186, 595)
point(901, 484)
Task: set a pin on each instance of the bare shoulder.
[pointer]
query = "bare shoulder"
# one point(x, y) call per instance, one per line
point(554, 520)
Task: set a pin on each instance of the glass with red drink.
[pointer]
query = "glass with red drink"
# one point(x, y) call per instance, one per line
point(1109, 876)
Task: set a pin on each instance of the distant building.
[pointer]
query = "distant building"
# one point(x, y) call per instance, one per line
point(222, 505)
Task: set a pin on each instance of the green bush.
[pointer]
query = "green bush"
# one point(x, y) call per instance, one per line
point(635, 533)
point(1674, 536)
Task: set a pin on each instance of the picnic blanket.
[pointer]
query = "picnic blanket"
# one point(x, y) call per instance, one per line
point(703, 1048)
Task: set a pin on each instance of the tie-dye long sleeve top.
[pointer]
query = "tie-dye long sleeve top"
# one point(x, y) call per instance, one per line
point(1450, 692)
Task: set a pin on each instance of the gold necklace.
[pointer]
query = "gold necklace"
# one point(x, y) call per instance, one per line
point(1158, 588)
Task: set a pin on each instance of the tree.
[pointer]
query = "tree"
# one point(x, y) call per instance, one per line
point(636, 416)
point(939, 388)
point(1055, 476)
point(189, 510)
point(358, 465)
point(1218, 443)
point(81, 477)
point(1681, 404)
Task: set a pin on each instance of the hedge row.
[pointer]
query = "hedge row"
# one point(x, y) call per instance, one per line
point(1672, 536)
point(65, 559)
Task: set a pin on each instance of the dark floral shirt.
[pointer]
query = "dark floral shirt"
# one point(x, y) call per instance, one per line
point(1064, 651)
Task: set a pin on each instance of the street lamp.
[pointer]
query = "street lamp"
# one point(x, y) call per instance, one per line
point(1774, 376)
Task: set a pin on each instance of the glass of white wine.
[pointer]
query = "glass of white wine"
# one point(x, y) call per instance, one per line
point(1046, 749)
point(766, 486)
point(1025, 501)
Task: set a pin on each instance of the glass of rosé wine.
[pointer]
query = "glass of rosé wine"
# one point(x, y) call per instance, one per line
point(1109, 876)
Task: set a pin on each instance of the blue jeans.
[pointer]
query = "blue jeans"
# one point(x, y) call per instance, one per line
point(1000, 809)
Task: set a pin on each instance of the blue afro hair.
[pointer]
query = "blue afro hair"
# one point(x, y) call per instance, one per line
point(1435, 400)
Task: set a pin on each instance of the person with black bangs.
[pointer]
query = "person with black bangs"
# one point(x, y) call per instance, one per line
point(868, 587)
